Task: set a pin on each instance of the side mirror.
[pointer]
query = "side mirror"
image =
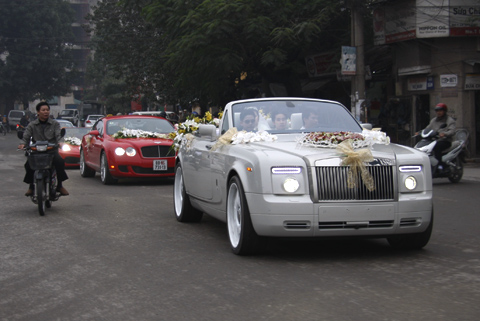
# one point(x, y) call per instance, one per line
point(93, 133)
point(367, 126)
point(20, 134)
point(62, 132)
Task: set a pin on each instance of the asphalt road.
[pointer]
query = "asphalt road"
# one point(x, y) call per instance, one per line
point(117, 253)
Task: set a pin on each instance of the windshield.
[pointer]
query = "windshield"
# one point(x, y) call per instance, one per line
point(76, 132)
point(287, 116)
point(155, 125)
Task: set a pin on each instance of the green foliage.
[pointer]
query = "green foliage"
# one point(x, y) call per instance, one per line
point(36, 61)
point(216, 50)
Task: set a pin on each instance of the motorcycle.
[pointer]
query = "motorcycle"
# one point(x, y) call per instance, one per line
point(453, 157)
point(40, 158)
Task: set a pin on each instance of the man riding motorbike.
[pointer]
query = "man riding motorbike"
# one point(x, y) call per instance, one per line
point(444, 125)
point(44, 129)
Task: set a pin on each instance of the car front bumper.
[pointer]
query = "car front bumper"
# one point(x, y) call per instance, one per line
point(286, 216)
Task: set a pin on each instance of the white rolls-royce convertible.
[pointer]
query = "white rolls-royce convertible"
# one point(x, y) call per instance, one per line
point(299, 167)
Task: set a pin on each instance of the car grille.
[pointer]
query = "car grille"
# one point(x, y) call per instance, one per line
point(332, 184)
point(157, 151)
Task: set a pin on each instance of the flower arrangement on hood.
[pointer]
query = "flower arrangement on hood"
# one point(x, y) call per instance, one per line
point(332, 139)
point(75, 141)
point(138, 133)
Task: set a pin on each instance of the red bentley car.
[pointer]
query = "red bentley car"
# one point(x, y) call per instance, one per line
point(70, 147)
point(128, 146)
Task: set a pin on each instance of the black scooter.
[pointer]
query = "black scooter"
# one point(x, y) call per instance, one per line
point(40, 158)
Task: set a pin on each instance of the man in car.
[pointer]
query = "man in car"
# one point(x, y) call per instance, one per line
point(249, 119)
point(310, 119)
point(44, 129)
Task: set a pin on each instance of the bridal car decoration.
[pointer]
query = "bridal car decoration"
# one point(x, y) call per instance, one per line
point(183, 133)
point(73, 141)
point(234, 137)
point(348, 144)
point(138, 133)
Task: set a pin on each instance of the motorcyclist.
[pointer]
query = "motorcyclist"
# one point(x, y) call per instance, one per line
point(44, 129)
point(24, 121)
point(445, 133)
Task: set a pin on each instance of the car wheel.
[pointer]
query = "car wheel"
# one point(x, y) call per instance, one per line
point(243, 238)
point(413, 241)
point(184, 211)
point(85, 171)
point(105, 175)
point(456, 172)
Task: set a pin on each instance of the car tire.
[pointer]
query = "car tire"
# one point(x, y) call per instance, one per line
point(184, 211)
point(105, 175)
point(242, 236)
point(85, 171)
point(414, 241)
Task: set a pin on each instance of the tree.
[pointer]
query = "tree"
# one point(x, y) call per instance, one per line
point(35, 58)
point(214, 44)
point(130, 49)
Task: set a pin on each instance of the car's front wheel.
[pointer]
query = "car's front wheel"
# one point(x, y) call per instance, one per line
point(414, 241)
point(243, 238)
point(85, 171)
point(105, 175)
point(184, 211)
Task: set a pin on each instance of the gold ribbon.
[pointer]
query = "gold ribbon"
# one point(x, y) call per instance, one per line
point(356, 161)
point(225, 139)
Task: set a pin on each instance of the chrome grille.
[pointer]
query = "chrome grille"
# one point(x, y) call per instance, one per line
point(157, 151)
point(332, 184)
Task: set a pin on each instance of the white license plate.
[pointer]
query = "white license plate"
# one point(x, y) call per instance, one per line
point(160, 165)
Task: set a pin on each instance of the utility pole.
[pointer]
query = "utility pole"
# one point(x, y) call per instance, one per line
point(357, 41)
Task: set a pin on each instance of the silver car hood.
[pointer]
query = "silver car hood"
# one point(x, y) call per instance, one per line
point(320, 156)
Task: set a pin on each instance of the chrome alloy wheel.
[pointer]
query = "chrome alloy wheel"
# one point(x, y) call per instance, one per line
point(234, 215)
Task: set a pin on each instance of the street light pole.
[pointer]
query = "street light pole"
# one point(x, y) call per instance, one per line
point(357, 41)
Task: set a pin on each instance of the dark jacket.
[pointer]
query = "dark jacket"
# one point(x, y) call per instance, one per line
point(449, 131)
point(50, 131)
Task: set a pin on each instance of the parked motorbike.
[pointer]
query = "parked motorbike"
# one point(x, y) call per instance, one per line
point(453, 157)
point(40, 158)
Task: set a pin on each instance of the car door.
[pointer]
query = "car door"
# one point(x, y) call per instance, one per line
point(197, 169)
point(95, 146)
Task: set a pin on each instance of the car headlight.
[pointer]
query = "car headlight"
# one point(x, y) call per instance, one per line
point(66, 148)
point(131, 151)
point(291, 185)
point(410, 183)
point(119, 151)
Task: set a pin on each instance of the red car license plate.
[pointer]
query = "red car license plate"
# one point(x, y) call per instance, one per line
point(160, 165)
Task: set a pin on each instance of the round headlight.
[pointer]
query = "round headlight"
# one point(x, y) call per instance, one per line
point(119, 151)
point(66, 148)
point(410, 182)
point(291, 185)
point(131, 151)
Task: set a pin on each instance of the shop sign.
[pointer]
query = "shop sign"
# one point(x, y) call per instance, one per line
point(472, 82)
point(418, 83)
point(450, 80)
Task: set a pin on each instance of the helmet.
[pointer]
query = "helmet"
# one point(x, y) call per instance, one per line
point(441, 106)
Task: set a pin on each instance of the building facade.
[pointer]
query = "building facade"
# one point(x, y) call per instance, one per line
point(435, 58)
